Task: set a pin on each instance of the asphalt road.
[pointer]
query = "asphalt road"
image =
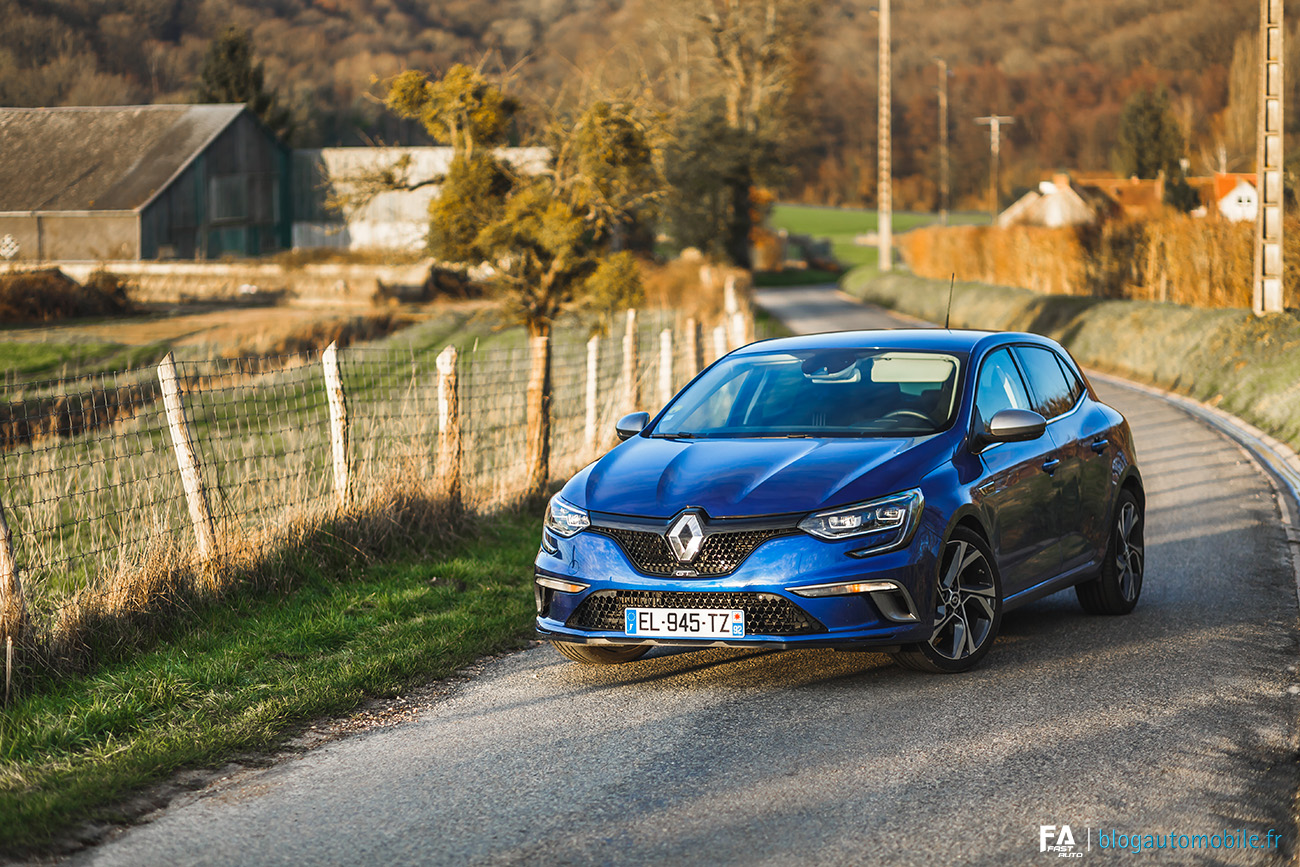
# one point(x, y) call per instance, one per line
point(1179, 718)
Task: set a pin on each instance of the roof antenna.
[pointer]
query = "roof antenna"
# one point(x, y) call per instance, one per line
point(948, 315)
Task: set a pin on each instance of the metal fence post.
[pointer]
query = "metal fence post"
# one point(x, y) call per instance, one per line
point(593, 396)
point(630, 396)
point(13, 611)
point(665, 366)
point(338, 422)
point(200, 514)
point(449, 451)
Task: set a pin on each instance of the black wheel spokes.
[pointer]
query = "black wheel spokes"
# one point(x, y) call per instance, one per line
point(1128, 552)
point(966, 605)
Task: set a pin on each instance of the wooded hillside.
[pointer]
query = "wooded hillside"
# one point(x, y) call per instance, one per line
point(1062, 69)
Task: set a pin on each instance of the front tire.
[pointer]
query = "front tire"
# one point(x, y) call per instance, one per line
point(601, 654)
point(1117, 588)
point(968, 609)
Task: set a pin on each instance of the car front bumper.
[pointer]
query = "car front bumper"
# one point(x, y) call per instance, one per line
point(877, 620)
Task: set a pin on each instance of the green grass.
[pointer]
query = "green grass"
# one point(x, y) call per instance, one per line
point(794, 277)
point(238, 675)
point(767, 326)
point(51, 360)
point(28, 359)
point(1245, 365)
point(842, 225)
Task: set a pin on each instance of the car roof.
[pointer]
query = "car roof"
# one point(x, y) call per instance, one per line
point(929, 339)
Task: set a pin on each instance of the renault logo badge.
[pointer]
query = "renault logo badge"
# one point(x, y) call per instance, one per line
point(685, 535)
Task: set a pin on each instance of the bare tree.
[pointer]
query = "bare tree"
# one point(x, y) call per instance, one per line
point(753, 43)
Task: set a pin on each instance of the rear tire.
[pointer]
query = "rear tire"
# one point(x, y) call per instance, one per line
point(1117, 588)
point(968, 609)
point(601, 654)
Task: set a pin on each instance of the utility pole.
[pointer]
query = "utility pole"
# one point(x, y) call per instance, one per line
point(1267, 294)
point(884, 188)
point(994, 123)
point(945, 192)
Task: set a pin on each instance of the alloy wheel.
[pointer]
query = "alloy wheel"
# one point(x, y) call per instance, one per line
point(966, 608)
point(1128, 552)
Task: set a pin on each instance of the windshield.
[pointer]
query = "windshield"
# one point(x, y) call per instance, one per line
point(818, 393)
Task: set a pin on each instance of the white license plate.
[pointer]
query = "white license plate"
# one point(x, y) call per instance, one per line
point(684, 622)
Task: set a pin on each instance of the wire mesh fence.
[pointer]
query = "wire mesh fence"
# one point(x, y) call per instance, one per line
point(94, 490)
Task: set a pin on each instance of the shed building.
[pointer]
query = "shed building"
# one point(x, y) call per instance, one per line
point(142, 182)
point(392, 219)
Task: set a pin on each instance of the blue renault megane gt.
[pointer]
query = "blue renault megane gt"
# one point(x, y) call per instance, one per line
point(888, 490)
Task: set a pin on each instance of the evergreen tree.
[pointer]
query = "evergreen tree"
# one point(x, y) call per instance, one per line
point(1150, 140)
point(547, 237)
point(229, 76)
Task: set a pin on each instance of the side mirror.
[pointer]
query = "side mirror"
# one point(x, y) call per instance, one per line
point(1014, 426)
point(631, 424)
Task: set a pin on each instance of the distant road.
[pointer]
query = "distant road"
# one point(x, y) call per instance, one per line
point(1175, 719)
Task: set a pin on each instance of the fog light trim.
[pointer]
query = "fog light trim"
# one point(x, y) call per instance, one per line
point(843, 588)
point(561, 586)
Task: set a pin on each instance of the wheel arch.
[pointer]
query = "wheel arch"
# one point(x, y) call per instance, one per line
point(968, 516)
point(1132, 481)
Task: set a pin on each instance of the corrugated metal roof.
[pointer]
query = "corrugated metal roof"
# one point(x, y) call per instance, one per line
point(101, 158)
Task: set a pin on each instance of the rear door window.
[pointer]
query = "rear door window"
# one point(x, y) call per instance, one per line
point(1076, 387)
point(1052, 393)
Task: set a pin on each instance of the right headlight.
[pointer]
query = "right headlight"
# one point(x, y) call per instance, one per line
point(564, 519)
point(884, 524)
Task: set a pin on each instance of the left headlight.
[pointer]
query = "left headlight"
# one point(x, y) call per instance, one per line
point(565, 520)
point(890, 521)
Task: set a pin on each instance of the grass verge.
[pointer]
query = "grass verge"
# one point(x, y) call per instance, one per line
point(1246, 365)
point(794, 277)
point(842, 225)
point(236, 673)
point(767, 326)
point(73, 358)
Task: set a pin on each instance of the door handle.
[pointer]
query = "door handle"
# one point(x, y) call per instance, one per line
point(1100, 445)
point(1050, 465)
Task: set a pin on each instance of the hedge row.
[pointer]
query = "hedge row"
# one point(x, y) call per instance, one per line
point(1202, 262)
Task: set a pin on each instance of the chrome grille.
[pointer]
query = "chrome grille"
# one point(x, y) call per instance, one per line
point(720, 554)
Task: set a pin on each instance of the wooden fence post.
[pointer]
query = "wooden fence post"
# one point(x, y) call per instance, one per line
point(200, 514)
point(538, 446)
point(13, 610)
point(665, 366)
point(630, 350)
point(449, 452)
point(719, 342)
point(338, 423)
point(693, 361)
point(593, 395)
point(729, 301)
point(737, 330)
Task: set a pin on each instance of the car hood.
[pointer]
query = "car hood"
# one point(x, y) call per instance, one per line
point(729, 478)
